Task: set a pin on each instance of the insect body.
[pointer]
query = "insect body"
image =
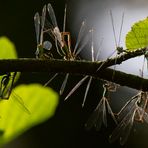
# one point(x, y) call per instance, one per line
point(63, 41)
point(43, 47)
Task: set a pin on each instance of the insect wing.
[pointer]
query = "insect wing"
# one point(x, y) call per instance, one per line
point(37, 26)
point(98, 52)
point(76, 87)
point(64, 84)
point(42, 23)
point(83, 43)
point(124, 125)
point(120, 31)
point(125, 134)
point(113, 26)
point(52, 15)
point(80, 35)
point(65, 15)
point(145, 115)
point(127, 107)
point(110, 111)
point(96, 118)
point(104, 112)
point(86, 91)
point(55, 75)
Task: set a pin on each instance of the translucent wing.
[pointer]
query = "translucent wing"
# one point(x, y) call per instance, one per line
point(37, 26)
point(104, 112)
point(92, 59)
point(143, 104)
point(48, 28)
point(76, 87)
point(80, 35)
point(42, 23)
point(64, 84)
point(52, 15)
point(127, 107)
point(50, 79)
point(145, 115)
point(99, 120)
point(110, 111)
point(86, 91)
point(92, 46)
point(124, 126)
point(121, 29)
point(113, 26)
point(83, 42)
point(98, 52)
point(97, 117)
point(125, 134)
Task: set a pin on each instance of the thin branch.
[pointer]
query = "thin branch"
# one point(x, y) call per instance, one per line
point(80, 67)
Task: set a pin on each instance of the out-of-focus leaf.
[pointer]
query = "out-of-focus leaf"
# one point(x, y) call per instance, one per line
point(137, 37)
point(7, 49)
point(40, 101)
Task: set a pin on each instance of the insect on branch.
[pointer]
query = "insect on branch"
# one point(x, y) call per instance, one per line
point(80, 67)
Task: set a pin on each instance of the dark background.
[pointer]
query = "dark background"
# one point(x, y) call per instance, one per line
point(66, 128)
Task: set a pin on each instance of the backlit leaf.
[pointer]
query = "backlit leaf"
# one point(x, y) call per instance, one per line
point(40, 101)
point(137, 37)
point(8, 51)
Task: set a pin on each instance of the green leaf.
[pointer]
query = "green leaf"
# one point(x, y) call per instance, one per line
point(137, 37)
point(7, 49)
point(40, 101)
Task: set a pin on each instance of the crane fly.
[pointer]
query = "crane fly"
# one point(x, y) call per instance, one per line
point(43, 47)
point(118, 49)
point(99, 116)
point(112, 87)
point(6, 86)
point(93, 59)
point(51, 27)
point(133, 110)
point(65, 51)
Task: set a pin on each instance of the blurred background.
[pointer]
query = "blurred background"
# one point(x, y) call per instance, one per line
point(66, 128)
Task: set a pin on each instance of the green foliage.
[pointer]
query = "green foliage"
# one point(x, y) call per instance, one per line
point(7, 49)
point(40, 101)
point(137, 37)
point(27, 106)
